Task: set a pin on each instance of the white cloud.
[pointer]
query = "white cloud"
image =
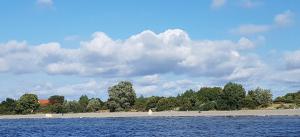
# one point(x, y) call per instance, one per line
point(218, 3)
point(91, 88)
point(65, 68)
point(248, 29)
point(147, 90)
point(284, 19)
point(246, 43)
point(146, 53)
point(45, 3)
point(288, 78)
point(292, 60)
point(3, 65)
point(150, 79)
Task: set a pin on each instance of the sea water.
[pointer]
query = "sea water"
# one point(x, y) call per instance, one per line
point(284, 126)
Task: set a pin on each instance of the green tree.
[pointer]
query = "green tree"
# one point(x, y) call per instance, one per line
point(8, 106)
point(84, 101)
point(151, 103)
point(209, 94)
point(73, 106)
point(94, 105)
point(166, 104)
point(188, 100)
point(140, 104)
point(249, 103)
point(210, 105)
point(28, 103)
point(56, 99)
point(232, 96)
point(289, 98)
point(57, 104)
point(57, 108)
point(262, 97)
point(121, 96)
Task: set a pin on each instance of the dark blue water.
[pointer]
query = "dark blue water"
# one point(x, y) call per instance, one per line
point(153, 126)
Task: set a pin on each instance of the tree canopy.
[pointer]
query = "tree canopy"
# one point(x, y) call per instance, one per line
point(28, 103)
point(121, 96)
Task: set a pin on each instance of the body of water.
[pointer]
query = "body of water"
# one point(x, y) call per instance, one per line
point(284, 126)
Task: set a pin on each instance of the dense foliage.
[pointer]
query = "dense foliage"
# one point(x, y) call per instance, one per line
point(122, 97)
point(289, 98)
point(56, 104)
point(28, 103)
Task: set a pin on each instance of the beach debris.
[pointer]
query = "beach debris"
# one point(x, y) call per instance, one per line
point(150, 112)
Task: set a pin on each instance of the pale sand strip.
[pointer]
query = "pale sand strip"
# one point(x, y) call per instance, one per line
point(285, 112)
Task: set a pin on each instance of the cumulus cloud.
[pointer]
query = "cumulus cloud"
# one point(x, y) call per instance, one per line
point(45, 3)
point(218, 3)
point(281, 20)
point(146, 53)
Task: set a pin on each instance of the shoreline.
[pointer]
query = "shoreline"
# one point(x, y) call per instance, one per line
point(279, 112)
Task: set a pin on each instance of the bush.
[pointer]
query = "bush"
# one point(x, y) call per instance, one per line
point(210, 105)
point(249, 103)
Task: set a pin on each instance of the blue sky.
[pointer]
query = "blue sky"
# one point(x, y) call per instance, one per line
point(164, 47)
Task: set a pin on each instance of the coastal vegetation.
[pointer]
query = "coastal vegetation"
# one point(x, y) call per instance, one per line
point(122, 97)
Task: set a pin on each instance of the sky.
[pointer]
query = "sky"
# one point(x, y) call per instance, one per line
point(50, 47)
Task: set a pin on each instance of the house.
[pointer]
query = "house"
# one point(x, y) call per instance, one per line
point(44, 102)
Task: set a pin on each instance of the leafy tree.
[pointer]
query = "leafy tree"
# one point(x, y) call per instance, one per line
point(121, 96)
point(151, 102)
point(231, 97)
point(262, 97)
point(209, 94)
point(56, 104)
point(8, 106)
point(166, 104)
point(57, 108)
point(104, 106)
point(114, 106)
point(140, 104)
point(94, 105)
point(56, 99)
point(188, 100)
point(210, 105)
point(249, 103)
point(289, 98)
point(28, 103)
point(73, 106)
point(84, 101)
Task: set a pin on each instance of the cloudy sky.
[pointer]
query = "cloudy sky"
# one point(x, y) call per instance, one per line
point(68, 48)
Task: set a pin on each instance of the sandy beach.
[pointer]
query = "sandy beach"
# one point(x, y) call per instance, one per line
point(285, 112)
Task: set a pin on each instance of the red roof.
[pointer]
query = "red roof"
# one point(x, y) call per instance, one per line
point(44, 102)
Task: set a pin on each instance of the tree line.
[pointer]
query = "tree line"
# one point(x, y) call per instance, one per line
point(122, 97)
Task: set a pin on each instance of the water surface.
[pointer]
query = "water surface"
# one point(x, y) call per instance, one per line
point(284, 126)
